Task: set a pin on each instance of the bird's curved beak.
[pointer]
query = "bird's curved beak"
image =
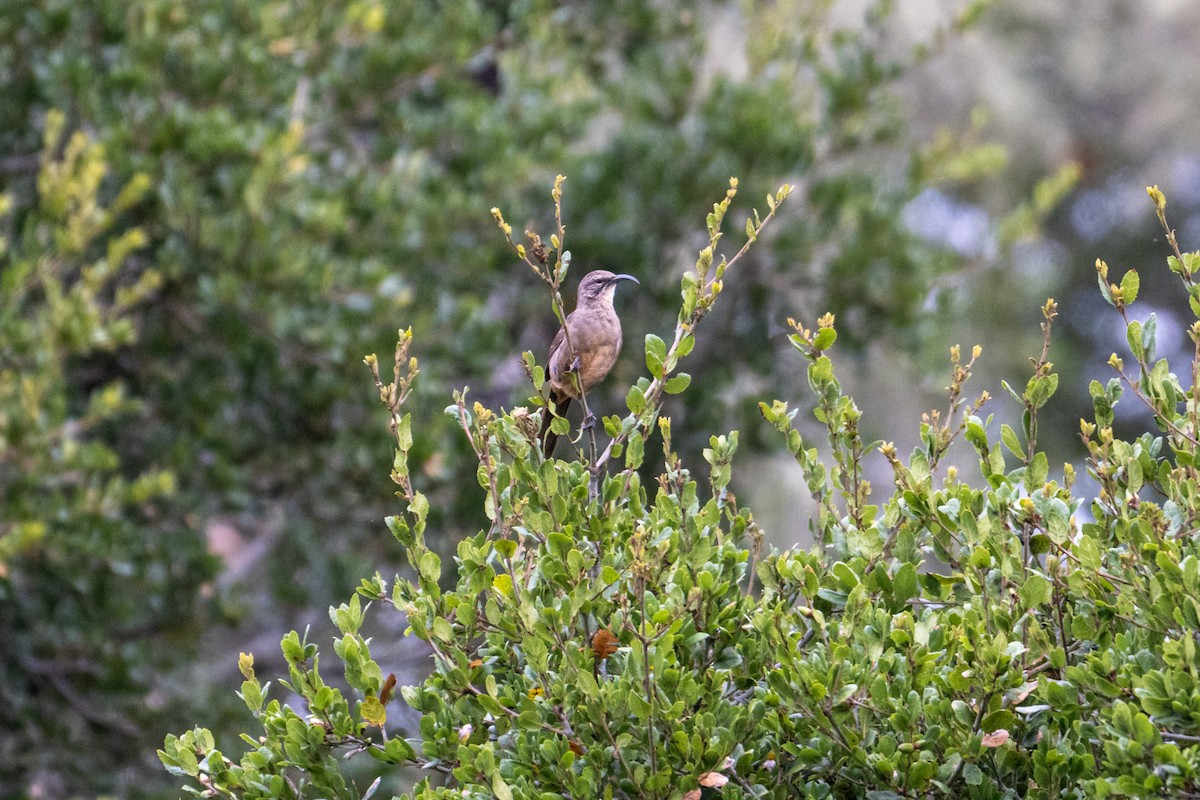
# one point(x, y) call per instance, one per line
point(624, 277)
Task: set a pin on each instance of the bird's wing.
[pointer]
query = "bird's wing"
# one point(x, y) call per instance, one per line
point(558, 362)
point(560, 340)
point(560, 390)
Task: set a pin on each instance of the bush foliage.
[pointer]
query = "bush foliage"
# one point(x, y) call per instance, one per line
point(306, 172)
point(620, 631)
point(90, 607)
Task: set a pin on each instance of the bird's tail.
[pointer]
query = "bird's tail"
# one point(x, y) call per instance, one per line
point(548, 437)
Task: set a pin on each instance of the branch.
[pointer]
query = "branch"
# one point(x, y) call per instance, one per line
point(707, 290)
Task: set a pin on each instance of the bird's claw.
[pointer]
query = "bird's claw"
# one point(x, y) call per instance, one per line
point(588, 422)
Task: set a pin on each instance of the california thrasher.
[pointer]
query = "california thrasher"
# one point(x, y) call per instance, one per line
point(595, 335)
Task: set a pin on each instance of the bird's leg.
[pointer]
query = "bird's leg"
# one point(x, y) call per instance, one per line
point(576, 365)
point(588, 422)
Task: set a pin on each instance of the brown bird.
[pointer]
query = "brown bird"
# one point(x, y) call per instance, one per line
point(595, 334)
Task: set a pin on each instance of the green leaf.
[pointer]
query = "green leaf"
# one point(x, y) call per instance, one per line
point(431, 566)
point(1133, 336)
point(1035, 591)
point(1012, 393)
point(372, 711)
point(820, 373)
point(1009, 437)
point(419, 506)
point(712, 223)
point(1088, 553)
point(1105, 292)
point(976, 435)
point(639, 706)
point(995, 461)
point(845, 693)
point(656, 354)
point(1149, 338)
point(396, 751)
point(635, 401)
point(1038, 472)
point(1129, 286)
point(634, 452)
point(252, 695)
point(499, 788)
point(677, 383)
point(404, 438)
point(824, 338)
point(837, 599)
point(443, 630)
point(1040, 390)
point(292, 649)
point(1194, 298)
point(904, 584)
point(845, 575)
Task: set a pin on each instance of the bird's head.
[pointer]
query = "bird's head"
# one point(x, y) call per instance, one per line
point(598, 286)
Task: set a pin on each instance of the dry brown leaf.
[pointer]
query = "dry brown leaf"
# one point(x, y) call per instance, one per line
point(995, 738)
point(1019, 694)
point(389, 685)
point(604, 643)
point(713, 779)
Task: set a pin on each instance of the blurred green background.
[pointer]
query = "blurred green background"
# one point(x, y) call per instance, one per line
point(214, 208)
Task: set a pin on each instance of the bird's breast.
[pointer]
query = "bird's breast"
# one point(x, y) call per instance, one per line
point(599, 363)
point(595, 334)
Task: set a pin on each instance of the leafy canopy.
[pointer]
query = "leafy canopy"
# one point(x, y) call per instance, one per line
point(953, 640)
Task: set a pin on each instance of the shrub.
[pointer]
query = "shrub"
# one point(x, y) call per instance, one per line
point(93, 600)
point(629, 637)
point(308, 171)
point(337, 183)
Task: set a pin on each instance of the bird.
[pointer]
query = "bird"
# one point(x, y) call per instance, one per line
point(594, 331)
